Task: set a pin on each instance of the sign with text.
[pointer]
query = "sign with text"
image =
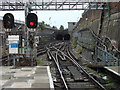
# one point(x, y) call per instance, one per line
point(13, 44)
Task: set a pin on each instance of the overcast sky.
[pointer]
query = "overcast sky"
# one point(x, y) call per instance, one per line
point(54, 18)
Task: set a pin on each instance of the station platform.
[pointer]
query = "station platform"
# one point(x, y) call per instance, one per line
point(114, 69)
point(26, 78)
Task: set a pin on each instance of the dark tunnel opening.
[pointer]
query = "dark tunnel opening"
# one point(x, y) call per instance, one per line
point(66, 37)
point(59, 37)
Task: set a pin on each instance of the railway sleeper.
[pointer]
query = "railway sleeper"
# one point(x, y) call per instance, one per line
point(77, 76)
point(82, 86)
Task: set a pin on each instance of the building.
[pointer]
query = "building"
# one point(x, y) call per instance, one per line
point(71, 26)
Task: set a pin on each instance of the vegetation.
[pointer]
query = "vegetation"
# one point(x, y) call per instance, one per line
point(54, 27)
point(5, 53)
point(108, 82)
point(61, 27)
point(40, 63)
point(91, 44)
point(79, 49)
point(74, 42)
point(42, 25)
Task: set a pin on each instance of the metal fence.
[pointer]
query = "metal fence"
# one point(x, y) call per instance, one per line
point(107, 58)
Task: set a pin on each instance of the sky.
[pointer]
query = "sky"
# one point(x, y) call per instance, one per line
point(54, 18)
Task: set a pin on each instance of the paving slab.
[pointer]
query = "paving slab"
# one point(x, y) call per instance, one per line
point(40, 85)
point(2, 82)
point(41, 77)
point(22, 74)
point(26, 78)
point(27, 69)
point(21, 85)
point(41, 81)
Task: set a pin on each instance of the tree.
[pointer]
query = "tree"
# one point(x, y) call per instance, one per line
point(61, 27)
point(42, 25)
point(54, 27)
point(47, 25)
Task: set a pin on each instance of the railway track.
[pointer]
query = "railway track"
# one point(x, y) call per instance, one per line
point(61, 80)
point(4, 60)
point(71, 74)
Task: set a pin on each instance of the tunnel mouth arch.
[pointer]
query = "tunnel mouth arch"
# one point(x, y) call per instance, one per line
point(66, 37)
point(59, 37)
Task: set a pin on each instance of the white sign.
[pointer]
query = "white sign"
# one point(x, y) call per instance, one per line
point(13, 38)
point(13, 44)
point(36, 39)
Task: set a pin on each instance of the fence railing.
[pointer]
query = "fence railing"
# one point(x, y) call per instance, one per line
point(107, 58)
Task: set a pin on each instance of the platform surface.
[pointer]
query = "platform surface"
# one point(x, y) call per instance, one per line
point(114, 69)
point(26, 77)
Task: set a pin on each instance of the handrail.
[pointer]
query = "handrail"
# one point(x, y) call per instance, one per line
point(112, 44)
point(107, 57)
point(102, 43)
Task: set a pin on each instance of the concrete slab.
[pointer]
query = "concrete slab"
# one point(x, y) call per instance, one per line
point(20, 80)
point(23, 74)
point(41, 81)
point(2, 82)
point(26, 77)
point(114, 69)
point(21, 85)
point(7, 77)
point(27, 69)
point(41, 71)
point(30, 81)
point(41, 77)
point(8, 84)
point(40, 74)
point(40, 85)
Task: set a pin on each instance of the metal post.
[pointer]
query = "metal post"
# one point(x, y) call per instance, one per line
point(14, 61)
point(8, 60)
point(25, 29)
point(27, 10)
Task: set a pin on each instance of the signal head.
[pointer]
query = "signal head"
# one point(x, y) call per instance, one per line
point(32, 20)
point(8, 21)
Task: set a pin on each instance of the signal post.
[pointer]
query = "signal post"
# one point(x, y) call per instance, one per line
point(8, 23)
point(31, 22)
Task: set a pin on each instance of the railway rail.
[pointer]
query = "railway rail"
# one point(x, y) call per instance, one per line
point(4, 60)
point(69, 64)
point(69, 73)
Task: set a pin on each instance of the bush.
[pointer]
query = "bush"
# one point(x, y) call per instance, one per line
point(40, 63)
point(74, 42)
point(79, 49)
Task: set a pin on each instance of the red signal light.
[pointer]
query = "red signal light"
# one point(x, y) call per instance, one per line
point(32, 20)
point(32, 23)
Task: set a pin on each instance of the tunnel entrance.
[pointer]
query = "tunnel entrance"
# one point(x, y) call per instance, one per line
point(63, 37)
point(66, 37)
point(59, 37)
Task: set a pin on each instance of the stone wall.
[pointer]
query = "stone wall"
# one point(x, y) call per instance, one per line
point(111, 21)
point(91, 19)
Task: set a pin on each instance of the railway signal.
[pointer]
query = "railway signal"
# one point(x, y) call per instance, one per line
point(32, 20)
point(8, 21)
